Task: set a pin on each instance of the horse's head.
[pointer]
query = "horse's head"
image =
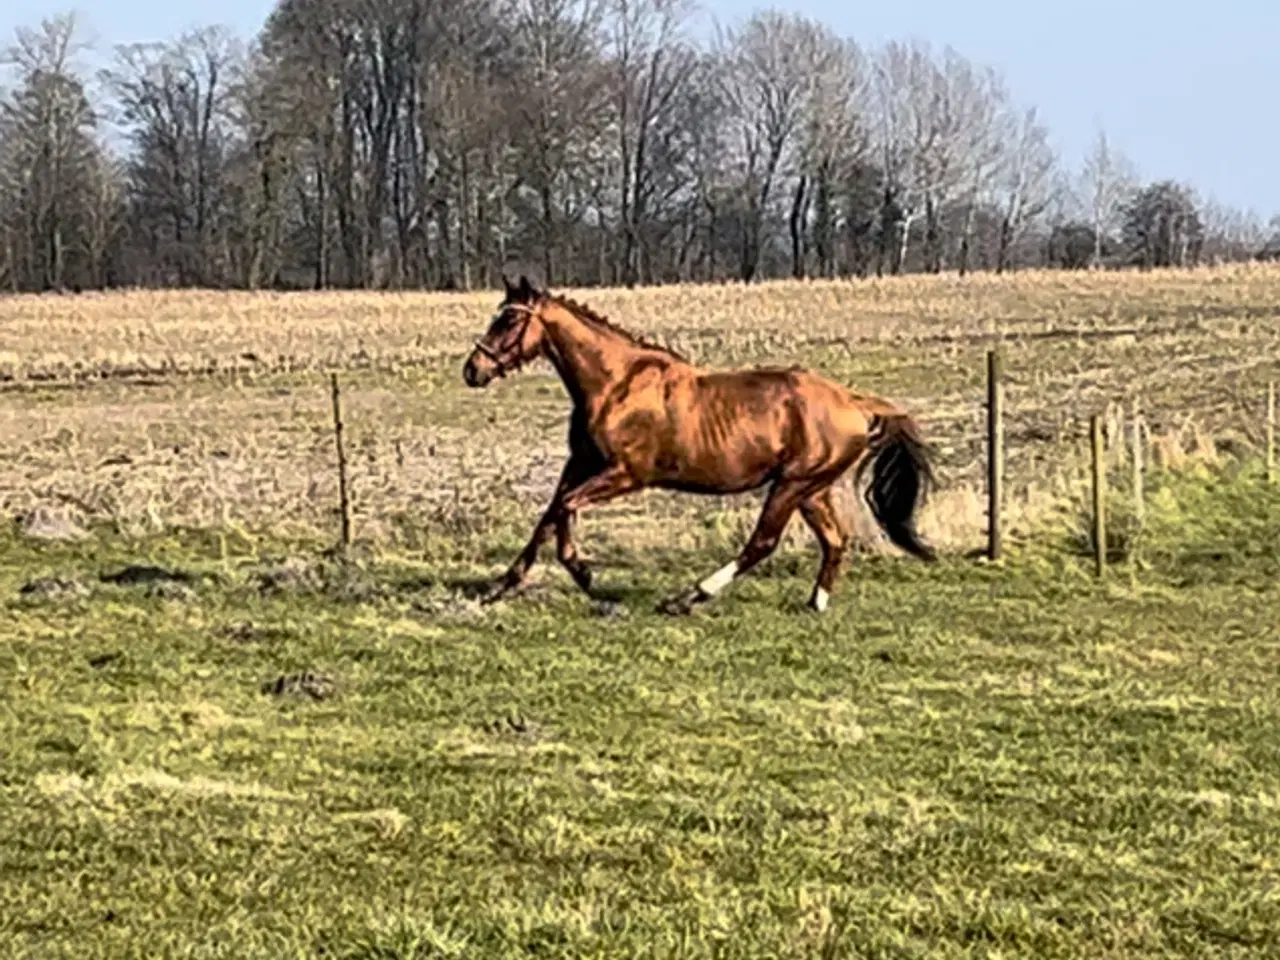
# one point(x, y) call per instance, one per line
point(515, 335)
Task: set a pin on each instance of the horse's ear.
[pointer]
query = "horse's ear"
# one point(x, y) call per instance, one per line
point(511, 288)
point(526, 292)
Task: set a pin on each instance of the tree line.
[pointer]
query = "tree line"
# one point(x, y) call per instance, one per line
point(430, 143)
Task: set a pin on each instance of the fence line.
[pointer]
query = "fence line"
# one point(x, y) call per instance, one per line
point(1107, 433)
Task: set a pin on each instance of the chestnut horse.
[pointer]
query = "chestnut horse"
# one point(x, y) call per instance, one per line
point(645, 417)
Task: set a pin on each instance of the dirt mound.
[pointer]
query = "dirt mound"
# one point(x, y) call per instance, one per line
point(53, 523)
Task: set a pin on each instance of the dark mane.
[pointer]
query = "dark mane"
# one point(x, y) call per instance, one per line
point(584, 312)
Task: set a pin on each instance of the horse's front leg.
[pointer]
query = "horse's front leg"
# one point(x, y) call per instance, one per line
point(611, 482)
point(567, 553)
point(571, 496)
point(575, 471)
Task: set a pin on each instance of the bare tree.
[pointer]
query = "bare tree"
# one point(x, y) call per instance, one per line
point(105, 219)
point(711, 193)
point(766, 79)
point(953, 101)
point(466, 171)
point(1231, 234)
point(928, 111)
point(898, 71)
point(49, 163)
point(834, 143)
point(400, 143)
point(1026, 183)
point(261, 161)
point(654, 63)
point(306, 49)
point(173, 101)
point(1270, 249)
point(559, 107)
point(1108, 180)
point(984, 140)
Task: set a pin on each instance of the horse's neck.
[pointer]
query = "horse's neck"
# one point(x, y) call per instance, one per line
point(588, 357)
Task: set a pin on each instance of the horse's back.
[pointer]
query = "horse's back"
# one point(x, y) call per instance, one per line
point(802, 394)
point(816, 419)
point(753, 387)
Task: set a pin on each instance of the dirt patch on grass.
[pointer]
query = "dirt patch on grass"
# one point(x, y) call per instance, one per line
point(317, 686)
point(53, 588)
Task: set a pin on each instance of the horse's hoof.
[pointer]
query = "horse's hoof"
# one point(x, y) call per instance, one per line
point(820, 600)
point(582, 577)
point(498, 590)
point(681, 605)
point(608, 609)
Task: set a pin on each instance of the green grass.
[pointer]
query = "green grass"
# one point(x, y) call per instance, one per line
point(961, 760)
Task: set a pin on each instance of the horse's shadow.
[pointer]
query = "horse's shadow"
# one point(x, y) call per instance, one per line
point(472, 587)
point(466, 587)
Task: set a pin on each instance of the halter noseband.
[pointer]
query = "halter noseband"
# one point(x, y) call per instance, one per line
point(498, 360)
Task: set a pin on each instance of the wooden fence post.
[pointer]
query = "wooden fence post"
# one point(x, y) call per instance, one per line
point(1139, 492)
point(995, 455)
point(1099, 496)
point(344, 502)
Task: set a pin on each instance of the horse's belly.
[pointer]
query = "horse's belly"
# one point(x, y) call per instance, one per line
point(718, 485)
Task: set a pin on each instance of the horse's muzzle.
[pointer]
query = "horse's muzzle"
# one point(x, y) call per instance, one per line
point(478, 371)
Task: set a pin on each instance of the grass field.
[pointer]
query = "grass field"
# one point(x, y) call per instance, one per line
point(270, 754)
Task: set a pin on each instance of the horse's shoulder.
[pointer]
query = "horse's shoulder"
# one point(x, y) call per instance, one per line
point(640, 384)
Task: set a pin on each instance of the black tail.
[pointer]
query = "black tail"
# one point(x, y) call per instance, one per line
point(901, 477)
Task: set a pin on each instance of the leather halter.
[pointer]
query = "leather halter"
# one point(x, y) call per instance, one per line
point(506, 364)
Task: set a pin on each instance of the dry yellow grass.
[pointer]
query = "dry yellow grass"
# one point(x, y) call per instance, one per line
point(157, 408)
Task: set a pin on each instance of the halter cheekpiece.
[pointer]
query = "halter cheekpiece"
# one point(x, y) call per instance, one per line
point(498, 360)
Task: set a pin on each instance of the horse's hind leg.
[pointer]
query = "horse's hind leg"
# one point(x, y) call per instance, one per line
point(778, 508)
point(820, 513)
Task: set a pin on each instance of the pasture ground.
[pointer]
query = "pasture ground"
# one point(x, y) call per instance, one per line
point(277, 755)
point(968, 760)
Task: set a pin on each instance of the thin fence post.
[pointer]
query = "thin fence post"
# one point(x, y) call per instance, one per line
point(995, 455)
point(1099, 496)
point(1139, 492)
point(344, 502)
point(1271, 431)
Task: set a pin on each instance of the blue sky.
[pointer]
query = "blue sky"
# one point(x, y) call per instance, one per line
point(1188, 91)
